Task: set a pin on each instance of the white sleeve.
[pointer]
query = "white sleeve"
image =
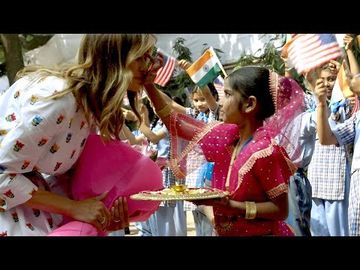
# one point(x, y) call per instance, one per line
point(20, 150)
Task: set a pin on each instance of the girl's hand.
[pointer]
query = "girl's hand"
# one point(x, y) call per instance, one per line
point(220, 202)
point(119, 215)
point(184, 64)
point(334, 66)
point(320, 91)
point(348, 41)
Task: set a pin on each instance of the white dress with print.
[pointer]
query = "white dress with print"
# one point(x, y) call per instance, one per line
point(35, 135)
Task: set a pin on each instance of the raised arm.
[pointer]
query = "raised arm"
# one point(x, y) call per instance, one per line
point(354, 65)
point(210, 100)
point(326, 136)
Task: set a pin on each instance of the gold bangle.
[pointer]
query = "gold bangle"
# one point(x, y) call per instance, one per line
point(250, 210)
point(165, 111)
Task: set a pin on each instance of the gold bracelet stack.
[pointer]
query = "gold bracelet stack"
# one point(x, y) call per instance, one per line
point(250, 210)
point(165, 111)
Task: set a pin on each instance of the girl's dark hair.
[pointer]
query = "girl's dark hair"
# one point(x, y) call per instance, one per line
point(213, 91)
point(254, 81)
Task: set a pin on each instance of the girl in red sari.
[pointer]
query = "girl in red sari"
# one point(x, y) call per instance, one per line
point(251, 149)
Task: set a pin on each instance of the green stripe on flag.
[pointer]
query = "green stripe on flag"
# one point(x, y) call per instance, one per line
point(210, 76)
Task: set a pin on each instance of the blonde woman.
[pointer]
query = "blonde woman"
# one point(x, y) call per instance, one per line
point(45, 119)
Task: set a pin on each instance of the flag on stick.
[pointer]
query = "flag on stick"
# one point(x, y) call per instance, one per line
point(206, 68)
point(308, 51)
point(164, 73)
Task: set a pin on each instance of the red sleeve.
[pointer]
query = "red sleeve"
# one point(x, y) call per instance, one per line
point(217, 142)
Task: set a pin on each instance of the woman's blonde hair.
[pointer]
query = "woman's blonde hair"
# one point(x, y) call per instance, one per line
point(101, 78)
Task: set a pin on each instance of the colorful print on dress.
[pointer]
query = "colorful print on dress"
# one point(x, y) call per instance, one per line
point(68, 137)
point(36, 212)
point(9, 194)
point(42, 141)
point(36, 120)
point(33, 99)
point(3, 233)
point(72, 154)
point(17, 94)
point(10, 117)
point(70, 122)
point(25, 164)
point(12, 176)
point(54, 148)
point(18, 146)
point(57, 166)
point(3, 132)
point(2, 168)
point(15, 217)
point(60, 119)
point(50, 221)
point(30, 226)
point(83, 142)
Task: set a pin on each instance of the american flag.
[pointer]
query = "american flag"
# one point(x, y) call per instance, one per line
point(308, 51)
point(164, 73)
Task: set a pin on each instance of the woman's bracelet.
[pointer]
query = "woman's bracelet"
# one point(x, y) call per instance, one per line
point(165, 111)
point(250, 210)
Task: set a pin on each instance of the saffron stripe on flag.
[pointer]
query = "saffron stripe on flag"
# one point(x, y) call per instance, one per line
point(205, 69)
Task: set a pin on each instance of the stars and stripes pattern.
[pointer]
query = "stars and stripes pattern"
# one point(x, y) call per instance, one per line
point(308, 51)
point(164, 73)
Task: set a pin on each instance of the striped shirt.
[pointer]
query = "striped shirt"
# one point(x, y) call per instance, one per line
point(327, 169)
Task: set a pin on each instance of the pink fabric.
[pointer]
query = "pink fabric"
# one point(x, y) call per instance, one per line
point(260, 173)
point(122, 172)
point(219, 151)
point(284, 124)
point(262, 169)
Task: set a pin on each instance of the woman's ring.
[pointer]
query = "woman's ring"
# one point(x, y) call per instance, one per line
point(117, 220)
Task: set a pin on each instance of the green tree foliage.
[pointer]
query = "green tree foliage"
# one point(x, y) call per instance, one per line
point(180, 80)
point(270, 58)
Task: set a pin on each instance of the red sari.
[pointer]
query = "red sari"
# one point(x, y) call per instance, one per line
point(260, 172)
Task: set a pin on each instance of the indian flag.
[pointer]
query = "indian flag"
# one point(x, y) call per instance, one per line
point(205, 69)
